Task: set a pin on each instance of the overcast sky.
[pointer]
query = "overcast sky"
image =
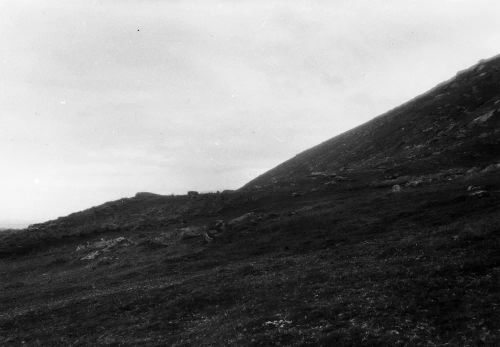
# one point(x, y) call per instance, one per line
point(102, 99)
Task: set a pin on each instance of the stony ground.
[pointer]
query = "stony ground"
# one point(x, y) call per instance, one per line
point(345, 265)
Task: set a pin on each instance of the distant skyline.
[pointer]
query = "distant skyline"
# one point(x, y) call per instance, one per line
point(102, 99)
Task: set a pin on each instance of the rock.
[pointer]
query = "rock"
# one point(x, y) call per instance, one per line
point(415, 183)
point(108, 244)
point(321, 174)
point(396, 188)
point(207, 237)
point(205, 232)
point(80, 247)
point(193, 193)
point(473, 188)
point(191, 232)
point(484, 118)
point(479, 193)
point(101, 246)
point(91, 256)
point(491, 168)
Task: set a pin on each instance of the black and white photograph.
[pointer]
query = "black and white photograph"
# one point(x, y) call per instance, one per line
point(250, 173)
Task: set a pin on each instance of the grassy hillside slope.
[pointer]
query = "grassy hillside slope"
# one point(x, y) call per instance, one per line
point(386, 235)
point(455, 124)
point(366, 267)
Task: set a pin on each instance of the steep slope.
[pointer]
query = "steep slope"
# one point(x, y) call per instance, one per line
point(456, 124)
point(346, 262)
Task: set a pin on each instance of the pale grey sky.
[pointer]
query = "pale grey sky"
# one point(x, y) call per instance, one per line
point(101, 99)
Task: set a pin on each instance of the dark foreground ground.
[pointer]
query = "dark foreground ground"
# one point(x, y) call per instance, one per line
point(348, 266)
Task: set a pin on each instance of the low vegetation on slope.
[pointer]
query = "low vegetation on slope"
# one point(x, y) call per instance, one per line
point(455, 124)
point(344, 267)
point(386, 235)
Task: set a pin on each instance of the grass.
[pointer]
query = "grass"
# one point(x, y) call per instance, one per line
point(364, 267)
point(337, 261)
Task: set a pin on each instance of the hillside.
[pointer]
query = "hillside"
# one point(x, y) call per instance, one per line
point(387, 235)
point(455, 125)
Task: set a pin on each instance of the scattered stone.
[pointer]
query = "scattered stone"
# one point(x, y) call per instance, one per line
point(80, 248)
point(491, 168)
point(415, 183)
point(207, 237)
point(103, 245)
point(477, 191)
point(191, 232)
point(472, 188)
point(396, 188)
point(91, 256)
point(480, 193)
point(107, 244)
point(321, 174)
point(484, 118)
